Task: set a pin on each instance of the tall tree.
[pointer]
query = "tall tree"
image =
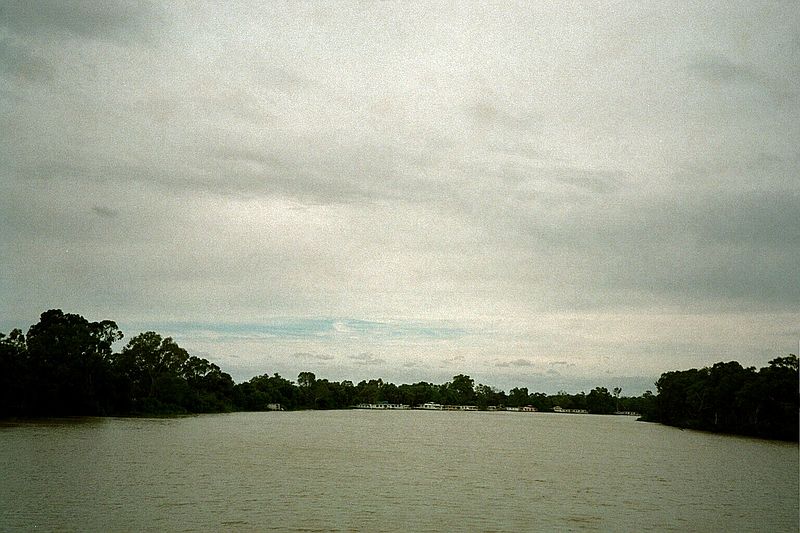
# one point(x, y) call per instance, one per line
point(518, 397)
point(13, 373)
point(463, 389)
point(154, 366)
point(211, 388)
point(600, 401)
point(306, 380)
point(70, 358)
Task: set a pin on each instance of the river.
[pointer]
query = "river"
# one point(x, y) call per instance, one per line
point(378, 471)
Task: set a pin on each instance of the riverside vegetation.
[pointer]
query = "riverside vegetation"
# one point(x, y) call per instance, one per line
point(66, 366)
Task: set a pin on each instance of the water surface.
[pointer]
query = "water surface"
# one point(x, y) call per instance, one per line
point(391, 471)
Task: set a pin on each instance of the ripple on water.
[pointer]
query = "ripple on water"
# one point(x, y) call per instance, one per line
point(392, 471)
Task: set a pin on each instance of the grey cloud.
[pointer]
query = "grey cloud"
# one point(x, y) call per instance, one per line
point(515, 363)
point(81, 18)
point(313, 356)
point(734, 247)
point(720, 70)
point(24, 64)
point(366, 358)
point(105, 212)
point(453, 361)
point(731, 248)
point(763, 219)
point(597, 182)
point(487, 113)
point(281, 79)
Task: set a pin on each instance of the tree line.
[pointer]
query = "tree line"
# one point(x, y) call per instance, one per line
point(65, 365)
point(313, 393)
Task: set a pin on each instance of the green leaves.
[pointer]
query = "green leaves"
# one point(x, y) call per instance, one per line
point(730, 398)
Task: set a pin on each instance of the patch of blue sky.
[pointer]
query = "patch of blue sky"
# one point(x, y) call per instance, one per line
point(312, 328)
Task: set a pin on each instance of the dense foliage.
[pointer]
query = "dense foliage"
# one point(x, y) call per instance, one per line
point(733, 399)
point(65, 365)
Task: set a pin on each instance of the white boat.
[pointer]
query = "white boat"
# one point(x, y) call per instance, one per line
point(383, 405)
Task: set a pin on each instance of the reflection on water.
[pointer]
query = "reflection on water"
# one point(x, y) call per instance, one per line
point(391, 471)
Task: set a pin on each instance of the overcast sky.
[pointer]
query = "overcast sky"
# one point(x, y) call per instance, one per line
point(551, 195)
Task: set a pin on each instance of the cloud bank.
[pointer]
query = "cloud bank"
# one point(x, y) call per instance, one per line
point(409, 189)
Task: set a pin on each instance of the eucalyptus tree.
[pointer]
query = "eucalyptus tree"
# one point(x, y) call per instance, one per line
point(153, 367)
point(69, 360)
point(13, 373)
